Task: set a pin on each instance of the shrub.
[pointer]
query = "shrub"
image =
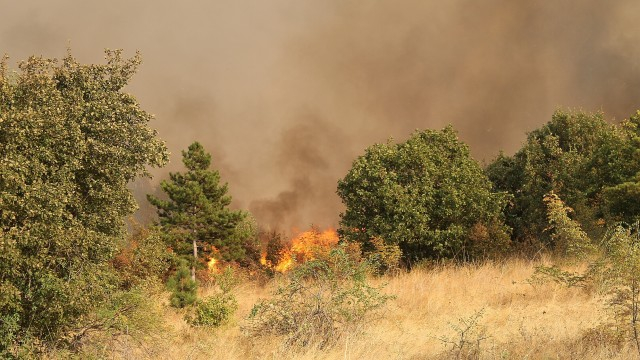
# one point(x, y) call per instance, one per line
point(487, 242)
point(213, 311)
point(322, 300)
point(469, 335)
point(217, 309)
point(616, 272)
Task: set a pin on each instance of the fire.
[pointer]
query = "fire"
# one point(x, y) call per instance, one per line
point(304, 247)
point(212, 265)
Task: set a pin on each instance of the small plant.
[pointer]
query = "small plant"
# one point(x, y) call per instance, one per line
point(621, 275)
point(183, 288)
point(469, 334)
point(218, 309)
point(322, 300)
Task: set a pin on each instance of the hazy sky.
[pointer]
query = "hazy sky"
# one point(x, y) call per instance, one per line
point(285, 94)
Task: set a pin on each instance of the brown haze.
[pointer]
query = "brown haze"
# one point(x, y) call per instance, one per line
point(285, 94)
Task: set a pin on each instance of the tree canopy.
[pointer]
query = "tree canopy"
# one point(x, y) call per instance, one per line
point(588, 162)
point(196, 215)
point(71, 139)
point(425, 195)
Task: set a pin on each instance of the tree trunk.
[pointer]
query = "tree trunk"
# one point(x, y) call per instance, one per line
point(195, 259)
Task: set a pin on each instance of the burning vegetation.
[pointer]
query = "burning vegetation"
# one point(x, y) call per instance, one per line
point(305, 246)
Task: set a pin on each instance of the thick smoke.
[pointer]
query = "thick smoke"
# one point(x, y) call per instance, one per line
point(285, 93)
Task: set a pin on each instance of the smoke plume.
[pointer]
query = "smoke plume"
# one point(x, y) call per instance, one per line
point(285, 94)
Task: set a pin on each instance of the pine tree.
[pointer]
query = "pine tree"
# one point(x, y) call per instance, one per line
point(196, 215)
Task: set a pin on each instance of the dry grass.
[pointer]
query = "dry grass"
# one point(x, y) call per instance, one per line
point(520, 321)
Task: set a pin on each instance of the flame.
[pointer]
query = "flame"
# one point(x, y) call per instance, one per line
point(212, 265)
point(304, 247)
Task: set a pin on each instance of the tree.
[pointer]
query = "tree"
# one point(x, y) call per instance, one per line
point(424, 195)
point(71, 139)
point(196, 216)
point(581, 158)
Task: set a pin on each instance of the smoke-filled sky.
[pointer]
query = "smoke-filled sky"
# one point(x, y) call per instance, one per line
point(286, 93)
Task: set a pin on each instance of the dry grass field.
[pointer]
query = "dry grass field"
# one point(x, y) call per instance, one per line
point(515, 320)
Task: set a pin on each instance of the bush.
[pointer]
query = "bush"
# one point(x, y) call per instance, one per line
point(322, 300)
point(214, 311)
point(567, 235)
point(424, 195)
point(71, 139)
point(217, 309)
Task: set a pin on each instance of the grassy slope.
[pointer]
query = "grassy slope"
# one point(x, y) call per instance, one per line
point(521, 321)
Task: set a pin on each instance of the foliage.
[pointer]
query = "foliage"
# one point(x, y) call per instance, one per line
point(621, 197)
point(384, 258)
point(217, 309)
point(568, 237)
point(423, 195)
point(196, 215)
point(70, 141)
point(214, 311)
point(183, 288)
point(128, 312)
point(580, 157)
point(487, 241)
point(322, 300)
point(247, 235)
point(143, 257)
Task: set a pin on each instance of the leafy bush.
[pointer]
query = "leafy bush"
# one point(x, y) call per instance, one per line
point(423, 195)
point(587, 161)
point(322, 300)
point(217, 309)
point(214, 311)
point(183, 288)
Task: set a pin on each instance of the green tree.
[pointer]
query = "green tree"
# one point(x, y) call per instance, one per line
point(196, 214)
point(576, 155)
point(424, 195)
point(622, 194)
point(71, 139)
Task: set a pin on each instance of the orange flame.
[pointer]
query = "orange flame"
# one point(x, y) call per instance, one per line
point(212, 265)
point(304, 247)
